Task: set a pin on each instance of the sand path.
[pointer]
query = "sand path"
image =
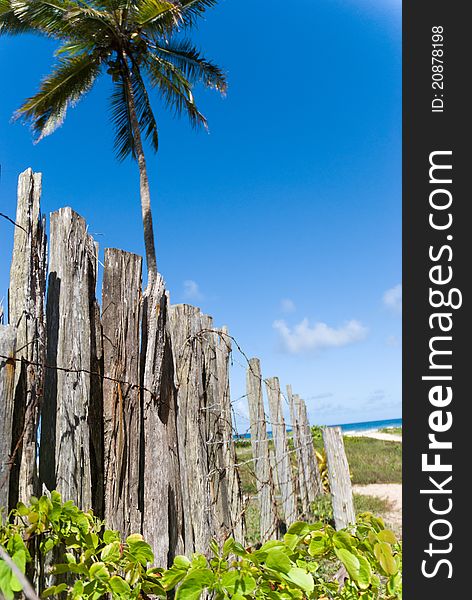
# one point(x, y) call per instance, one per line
point(391, 492)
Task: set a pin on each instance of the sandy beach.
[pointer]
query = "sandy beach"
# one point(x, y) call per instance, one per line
point(376, 434)
point(389, 491)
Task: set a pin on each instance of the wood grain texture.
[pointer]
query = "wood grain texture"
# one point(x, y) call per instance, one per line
point(339, 477)
point(282, 456)
point(161, 500)
point(121, 319)
point(26, 301)
point(312, 471)
point(260, 451)
point(300, 478)
point(7, 387)
point(67, 454)
point(192, 426)
point(228, 467)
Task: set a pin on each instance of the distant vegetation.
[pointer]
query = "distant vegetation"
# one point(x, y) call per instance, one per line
point(370, 461)
point(393, 430)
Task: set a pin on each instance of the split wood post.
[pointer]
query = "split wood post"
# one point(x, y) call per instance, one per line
point(235, 497)
point(186, 327)
point(69, 460)
point(300, 471)
point(282, 456)
point(213, 396)
point(339, 477)
point(26, 298)
point(312, 474)
point(162, 511)
point(260, 452)
point(7, 387)
point(121, 303)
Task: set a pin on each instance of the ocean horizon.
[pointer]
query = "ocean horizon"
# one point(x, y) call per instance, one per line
point(347, 427)
point(369, 425)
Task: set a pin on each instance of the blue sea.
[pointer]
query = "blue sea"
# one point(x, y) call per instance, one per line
point(350, 427)
point(369, 425)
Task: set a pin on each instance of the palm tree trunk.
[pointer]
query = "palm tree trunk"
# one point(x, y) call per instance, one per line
point(143, 180)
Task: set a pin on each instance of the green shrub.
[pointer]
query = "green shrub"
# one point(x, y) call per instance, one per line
point(95, 563)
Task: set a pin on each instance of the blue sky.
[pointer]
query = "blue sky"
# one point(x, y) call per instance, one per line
point(284, 222)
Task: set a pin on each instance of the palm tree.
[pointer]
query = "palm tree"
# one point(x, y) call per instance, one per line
point(137, 43)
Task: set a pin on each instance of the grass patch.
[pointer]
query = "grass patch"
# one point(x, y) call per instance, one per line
point(392, 430)
point(374, 461)
point(323, 510)
point(371, 460)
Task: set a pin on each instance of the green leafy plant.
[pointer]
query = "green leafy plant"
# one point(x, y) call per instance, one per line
point(90, 562)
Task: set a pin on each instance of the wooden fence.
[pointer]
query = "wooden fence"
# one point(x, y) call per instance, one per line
point(131, 397)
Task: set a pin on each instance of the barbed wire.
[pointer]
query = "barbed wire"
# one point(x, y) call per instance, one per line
point(218, 410)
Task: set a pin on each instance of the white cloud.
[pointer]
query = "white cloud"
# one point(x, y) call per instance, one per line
point(393, 341)
point(191, 290)
point(305, 338)
point(392, 299)
point(287, 305)
point(320, 396)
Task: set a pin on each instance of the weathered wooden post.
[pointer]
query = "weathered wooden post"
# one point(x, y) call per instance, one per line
point(260, 451)
point(339, 477)
point(186, 327)
point(300, 470)
point(223, 478)
point(26, 312)
point(312, 470)
point(282, 456)
point(121, 319)
point(69, 459)
point(231, 473)
point(162, 497)
point(7, 387)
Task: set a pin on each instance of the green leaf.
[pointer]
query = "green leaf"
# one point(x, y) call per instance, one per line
point(54, 590)
point(110, 536)
point(5, 580)
point(119, 586)
point(383, 553)
point(317, 546)
point(342, 539)
point(111, 552)
point(173, 576)
point(277, 560)
point(301, 578)
point(99, 571)
point(387, 536)
point(182, 562)
point(299, 528)
point(228, 547)
point(291, 540)
point(365, 573)
point(237, 583)
point(350, 561)
point(140, 551)
point(194, 584)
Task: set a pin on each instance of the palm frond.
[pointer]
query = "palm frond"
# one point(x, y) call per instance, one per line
point(121, 115)
point(70, 80)
point(193, 10)
point(148, 12)
point(65, 18)
point(121, 119)
point(186, 57)
point(47, 17)
point(174, 88)
point(85, 17)
point(10, 24)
